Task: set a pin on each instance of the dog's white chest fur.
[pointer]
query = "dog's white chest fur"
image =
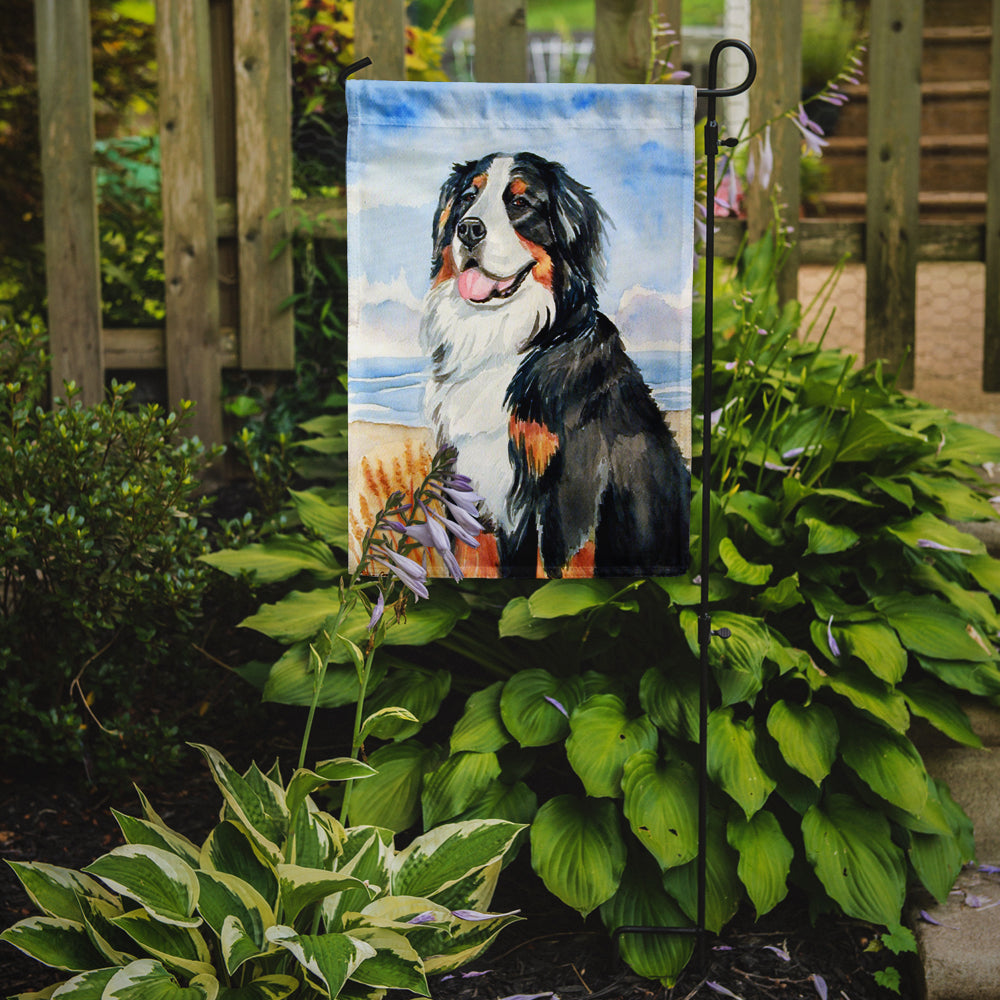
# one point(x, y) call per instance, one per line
point(475, 353)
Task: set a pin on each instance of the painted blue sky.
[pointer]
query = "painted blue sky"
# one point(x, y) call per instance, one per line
point(631, 145)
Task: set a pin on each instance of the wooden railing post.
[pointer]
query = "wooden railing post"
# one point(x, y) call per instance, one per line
point(893, 183)
point(501, 41)
point(621, 40)
point(262, 61)
point(190, 251)
point(72, 255)
point(991, 333)
point(776, 35)
point(380, 34)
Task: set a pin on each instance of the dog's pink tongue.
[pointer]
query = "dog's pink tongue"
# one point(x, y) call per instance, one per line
point(475, 286)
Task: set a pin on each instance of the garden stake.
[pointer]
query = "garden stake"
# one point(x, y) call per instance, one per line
point(705, 630)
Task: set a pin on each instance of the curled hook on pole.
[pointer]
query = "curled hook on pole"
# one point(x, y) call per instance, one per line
point(353, 68)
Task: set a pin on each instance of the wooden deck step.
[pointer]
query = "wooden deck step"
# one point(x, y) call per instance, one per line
point(945, 105)
point(957, 206)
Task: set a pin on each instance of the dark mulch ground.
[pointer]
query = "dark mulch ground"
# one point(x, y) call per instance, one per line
point(551, 951)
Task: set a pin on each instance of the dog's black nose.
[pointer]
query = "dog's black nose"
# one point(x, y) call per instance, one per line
point(471, 231)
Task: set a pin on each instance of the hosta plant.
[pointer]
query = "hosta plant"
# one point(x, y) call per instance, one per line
point(279, 900)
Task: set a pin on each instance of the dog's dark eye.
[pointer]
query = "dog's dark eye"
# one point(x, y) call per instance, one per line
point(519, 201)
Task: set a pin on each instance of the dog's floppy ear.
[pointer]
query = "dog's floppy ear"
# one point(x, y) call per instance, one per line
point(444, 223)
point(580, 221)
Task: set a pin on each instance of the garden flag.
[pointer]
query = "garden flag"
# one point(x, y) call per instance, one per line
point(520, 266)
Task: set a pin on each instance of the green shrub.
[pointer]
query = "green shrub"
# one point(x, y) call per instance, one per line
point(99, 540)
point(279, 900)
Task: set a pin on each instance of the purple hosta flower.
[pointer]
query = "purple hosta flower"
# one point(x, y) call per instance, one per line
point(820, 983)
point(811, 132)
point(834, 648)
point(728, 195)
point(427, 917)
point(475, 915)
point(412, 575)
point(780, 952)
point(719, 988)
point(454, 528)
point(761, 163)
point(531, 996)
point(787, 456)
point(559, 705)
point(990, 869)
point(927, 918)
point(465, 975)
point(927, 543)
point(377, 612)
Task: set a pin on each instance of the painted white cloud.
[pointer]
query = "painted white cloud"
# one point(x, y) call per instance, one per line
point(648, 319)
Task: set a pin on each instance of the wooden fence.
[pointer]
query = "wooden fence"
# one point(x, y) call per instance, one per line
point(226, 161)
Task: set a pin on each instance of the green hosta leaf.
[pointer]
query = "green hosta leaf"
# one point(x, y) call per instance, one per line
point(456, 784)
point(260, 809)
point(301, 887)
point(230, 849)
point(876, 646)
point(964, 443)
point(292, 681)
point(559, 598)
point(141, 831)
point(515, 803)
point(893, 488)
point(578, 851)
point(275, 987)
point(865, 692)
point(395, 964)
point(941, 709)
point(279, 558)
point(986, 572)
point(225, 897)
point(443, 856)
point(527, 711)
point(869, 436)
point(86, 986)
point(957, 501)
point(641, 901)
point(738, 661)
point(741, 571)
point(937, 860)
point(330, 959)
point(976, 678)
point(732, 760)
point(827, 539)
point(325, 519)
point(888, 763)
point(517, 620)
point(56, 891)
point(671, 699)
point(418, 691)
point(765, 858)
point(602, 738)
point(932, 628)
point(760, 512)
point(661, 798)
point(180, 948)
point(783, 595)
point(928, 528)
point(391, 798)
point(147, 979)
point(684, 592)
point(974, 604)
point(159, 881)
point(54, 941)
point(723, 889)
point(850, 847)
point(481, 728)
point(807, 736)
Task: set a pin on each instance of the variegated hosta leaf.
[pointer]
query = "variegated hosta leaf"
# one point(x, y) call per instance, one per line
point(141, 831)
point(850, 847)
point(158, 880)
point(765, 858)
point(275, 987)
point(56, 891)
point(456, 784)
point(366, 855)
point(642, 902)
point(475, 891)
point(441, 857)
point(329, 959)
point(230, 849)
point(395, 964)
point(315, 839)
point(807, 736)
point(602, 737)
point(467, 940)
point(732, 760)
point(661, 799)
point(578, 851)
point(149, 980)
point(304, 782)
point(225, 897)
point(54, 941)
point(116, 947)
point(300, 887)
point(177, 947)
point(86, 986)
point(238, 944)
point(481, 727)
point(256, 801)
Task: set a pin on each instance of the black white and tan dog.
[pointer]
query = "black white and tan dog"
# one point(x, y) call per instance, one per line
point(531, 383)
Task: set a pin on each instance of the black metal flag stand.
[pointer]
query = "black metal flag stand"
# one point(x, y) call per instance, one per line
point(705, 631)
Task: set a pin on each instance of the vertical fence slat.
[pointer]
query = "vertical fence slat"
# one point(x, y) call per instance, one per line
point(261, 56)
point(190, 253)
point(72, 257)
point(621, 40)
point(892, 216)
point(501, 41)
point(991, 333)
point(380, 34)
point(776, 35)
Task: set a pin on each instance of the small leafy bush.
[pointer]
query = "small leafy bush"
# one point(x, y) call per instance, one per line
point(280, 899)
point(99, 546)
